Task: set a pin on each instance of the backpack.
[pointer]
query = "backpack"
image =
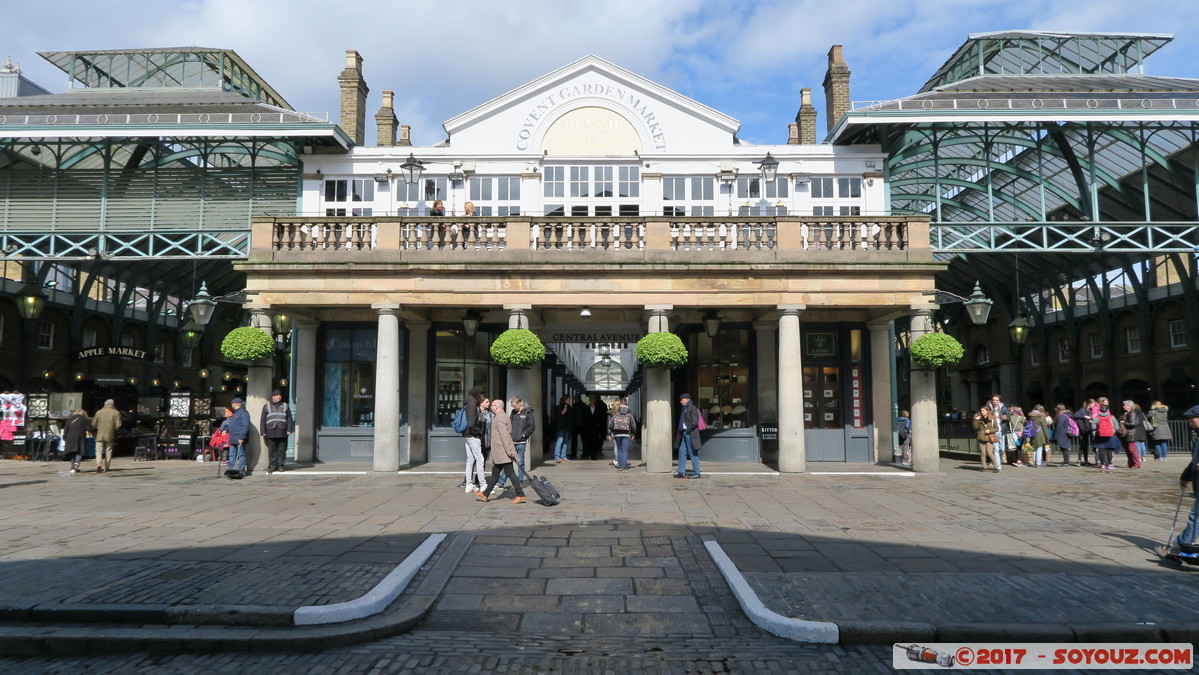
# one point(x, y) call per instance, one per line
point(460, 422)
point(905, 428)
point(1105, 425)
point(1030, 428)
point(1071, 426)
point(701, 424)
point(622, 423)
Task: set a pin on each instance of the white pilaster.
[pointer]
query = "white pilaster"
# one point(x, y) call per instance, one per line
point(792, 454)
point(387, 389)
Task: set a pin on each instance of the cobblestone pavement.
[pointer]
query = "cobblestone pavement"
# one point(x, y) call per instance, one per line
point(615, 579)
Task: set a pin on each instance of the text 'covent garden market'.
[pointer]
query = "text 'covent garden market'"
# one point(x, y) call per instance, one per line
point(591, 206)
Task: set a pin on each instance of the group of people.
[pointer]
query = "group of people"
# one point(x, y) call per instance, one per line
point(1008, 434)
point(490, 433)
point(579, 426)
point(275, 424)
point(104, 425)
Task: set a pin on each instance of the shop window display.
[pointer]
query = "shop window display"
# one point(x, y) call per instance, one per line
point(723, 392)
point(462, 362)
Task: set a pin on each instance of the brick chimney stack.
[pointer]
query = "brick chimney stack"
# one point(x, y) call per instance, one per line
point(806, 119)
point(353, 98)
point(405, 134)
point(836, 87)
point(385, 121)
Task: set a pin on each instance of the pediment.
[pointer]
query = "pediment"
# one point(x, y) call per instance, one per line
point(612, 110)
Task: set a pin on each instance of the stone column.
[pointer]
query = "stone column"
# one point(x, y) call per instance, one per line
point(303, 389)
point(792, 455)
point(387, 389)
point(880, 390)
point(258, 392)
point(526, 383)
point(657, 433)
point(416, 451)
point(926, 454)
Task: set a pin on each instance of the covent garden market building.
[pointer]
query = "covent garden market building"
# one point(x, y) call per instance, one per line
point(1045, 171)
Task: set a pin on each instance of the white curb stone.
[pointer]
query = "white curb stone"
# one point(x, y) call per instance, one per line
point(378, 598)
point(820, 632)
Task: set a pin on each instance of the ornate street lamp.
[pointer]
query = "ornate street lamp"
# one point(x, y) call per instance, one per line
point(281, 323)
point(769, 167)
point(1019, 328)
point(190, 335)
point(978, 306)
point(202, 307)
point(470, 323)
point(32, 301)
point(412, 169)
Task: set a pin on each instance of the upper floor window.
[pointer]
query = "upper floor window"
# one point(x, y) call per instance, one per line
point(90, 338)
point(756, 188)
point(827, 187)
point(160, 352)
point(1096, 346)
point(45, 335)
point(629, 182)
point(1034, 355)
point(554, 181)
point(1178, 333)
point(1063, 351)
point(495, 196)
point(349, 191)
point(1132, 336)
point(695, 196)
point(418, 198)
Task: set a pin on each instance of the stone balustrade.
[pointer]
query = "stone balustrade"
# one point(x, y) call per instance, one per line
point(543, 238)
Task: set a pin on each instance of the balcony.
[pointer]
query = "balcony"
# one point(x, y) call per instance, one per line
point(625, 240)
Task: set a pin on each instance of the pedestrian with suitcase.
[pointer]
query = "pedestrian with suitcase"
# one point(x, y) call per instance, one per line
point(503, 454)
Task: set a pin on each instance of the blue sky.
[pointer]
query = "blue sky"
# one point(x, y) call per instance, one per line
point(443, 57)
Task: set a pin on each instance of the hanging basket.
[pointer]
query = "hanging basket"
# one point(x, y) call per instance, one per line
point(661, 350)
point(247, 344)
point(517, 348)
point(933, 350)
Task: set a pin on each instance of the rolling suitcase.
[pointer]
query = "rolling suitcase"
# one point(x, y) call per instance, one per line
point(544, 489)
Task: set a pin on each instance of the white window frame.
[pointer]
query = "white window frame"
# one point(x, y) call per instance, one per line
point(1178, 333)
point(1133, 340)
point(1096, 346)
point(347, 191)
point(90, 338)
point(1034, 355)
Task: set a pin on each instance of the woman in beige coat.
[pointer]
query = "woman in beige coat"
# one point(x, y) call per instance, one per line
point(503, 451)
point(986, 429)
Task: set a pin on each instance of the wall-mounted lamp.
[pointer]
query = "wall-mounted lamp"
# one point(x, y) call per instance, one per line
point(585, 313)
point(470, 323)
point(51, 283)
point(46, 374)
point(711, 324)
point(32, 301)
point(132, 380)
point(190, 336)
point(79, 377)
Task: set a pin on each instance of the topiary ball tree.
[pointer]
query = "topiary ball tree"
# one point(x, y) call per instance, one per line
point(661, 350)
point(517, 348)
point(933, 350)
point(247, 344)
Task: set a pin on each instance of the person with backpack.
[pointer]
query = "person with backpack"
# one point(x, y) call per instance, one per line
point(1065, 431)
point(1106, 438)
point(620, 430)
point(1036, 430)
point(986, 430)
point(904, 423)
point(1132, 424)
point(1159, 419)
point(1014, 439)
point(472, 435)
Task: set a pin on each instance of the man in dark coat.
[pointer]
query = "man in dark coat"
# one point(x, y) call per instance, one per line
point(239, 429)
point(275, 425)
point(686, 438)
point(597, 428)
point(580, 424)
point(74, 437)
